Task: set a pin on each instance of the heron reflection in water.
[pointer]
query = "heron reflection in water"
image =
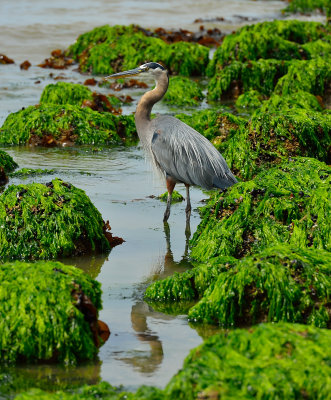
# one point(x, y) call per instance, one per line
point(178, 151)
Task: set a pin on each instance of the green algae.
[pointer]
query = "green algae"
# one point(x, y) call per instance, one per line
point(65, 93)
point(102, 390)
point(183, 91)
point(7, 162)
point(279, 40)
point(257, 56)
point(273, 361)
point(251, 99)
point(310, 76)
point(26, 172)
point(109, 49)
point(42, 313)
point(270, 361)
point(307, 6)
point(47, 221)
point(186, 286)
point(277, 284)
point(176, 197)
point(76, 94)
point(285, 204)
point(53, 124)
point(261, 75)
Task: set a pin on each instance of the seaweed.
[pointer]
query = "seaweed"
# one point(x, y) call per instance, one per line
point(238, 77)
point(25, 172)
point(7, 162)
point(48, 312)
point(269, 361)
point(102, 390)
point(76, 94)
point(258, 56)
point(45, 221)
point(183, 91)
point(276, 284)
point(288, 203)
point(280, 40)
point(307, 6)
point(109, 49)
point(176, 197)
point(53, 124)
point(251, 99)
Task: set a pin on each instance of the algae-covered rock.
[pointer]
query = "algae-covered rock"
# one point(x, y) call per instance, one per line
point(176, 197)
point(7, 162)
point(270, 361)
point(286, 204)
point(76, 94)
point(277, 284)
point(307, 6)
point(257, 56)
point(183, 91)
point(47, 221)
point(238, 77)
point(48, 311)
point(279, 39)
point(109, 49)
point(65, 93)
point(250, 100)
point(53, 124)
point(102, 390)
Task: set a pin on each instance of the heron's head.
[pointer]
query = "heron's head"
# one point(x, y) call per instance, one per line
point(151, 69)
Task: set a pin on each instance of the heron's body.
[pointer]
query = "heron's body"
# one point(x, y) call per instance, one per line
point(181, 153)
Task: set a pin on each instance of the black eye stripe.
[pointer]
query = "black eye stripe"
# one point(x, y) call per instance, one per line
point(154, 65)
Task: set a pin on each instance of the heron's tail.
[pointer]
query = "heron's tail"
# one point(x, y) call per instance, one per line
point(221, 182)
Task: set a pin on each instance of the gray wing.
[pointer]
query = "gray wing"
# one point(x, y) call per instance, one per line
point(187, 156)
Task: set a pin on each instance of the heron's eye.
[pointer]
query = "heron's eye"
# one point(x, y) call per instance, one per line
point(144, 68)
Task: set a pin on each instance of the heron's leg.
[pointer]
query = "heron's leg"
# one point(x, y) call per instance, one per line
point(188, 210)
point(171, 183)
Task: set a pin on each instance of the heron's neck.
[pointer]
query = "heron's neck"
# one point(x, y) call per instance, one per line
point(146, 103)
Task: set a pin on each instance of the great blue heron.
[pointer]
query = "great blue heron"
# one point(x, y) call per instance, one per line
point(181, 153)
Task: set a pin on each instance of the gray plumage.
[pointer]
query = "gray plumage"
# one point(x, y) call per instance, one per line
point(187, 156)
point(179, 152)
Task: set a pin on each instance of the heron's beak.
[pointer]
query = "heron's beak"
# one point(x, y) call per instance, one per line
point(130, 72)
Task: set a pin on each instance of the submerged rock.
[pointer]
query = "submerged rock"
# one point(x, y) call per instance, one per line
point(277, 284)
point(274, 361)
point(49, 312)
point(271, 361)
point(285, 204)
point(176, 197)
point(65, 124)
point(48, 221)
point(7, 162)
point(108, 49)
